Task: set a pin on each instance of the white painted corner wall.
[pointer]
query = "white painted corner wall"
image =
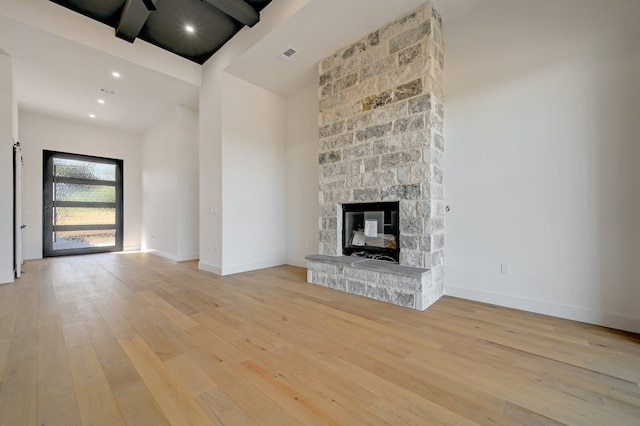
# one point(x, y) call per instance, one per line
point(7, 138)
point(170, 186)
point(541, 159)
point(302, 176)
point(188, 184)
point(40, 132)
point(253, 177)
point(269, 174)
point(159, 233)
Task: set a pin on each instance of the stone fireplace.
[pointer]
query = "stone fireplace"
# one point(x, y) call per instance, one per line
point(381, 140)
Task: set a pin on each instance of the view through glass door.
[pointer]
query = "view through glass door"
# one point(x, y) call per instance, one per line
point(82, 204)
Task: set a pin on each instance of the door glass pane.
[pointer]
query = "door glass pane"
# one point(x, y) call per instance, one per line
point(80, 195)
point(84, 216)
point(65, 167)
point(85, 193)
point(83, 239)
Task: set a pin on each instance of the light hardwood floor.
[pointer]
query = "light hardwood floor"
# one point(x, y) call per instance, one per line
point(134, 339)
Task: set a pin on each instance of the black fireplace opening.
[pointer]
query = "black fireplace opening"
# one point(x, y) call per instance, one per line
point(371, 230)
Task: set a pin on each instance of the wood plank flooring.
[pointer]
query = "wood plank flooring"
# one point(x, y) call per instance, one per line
point(134, 339)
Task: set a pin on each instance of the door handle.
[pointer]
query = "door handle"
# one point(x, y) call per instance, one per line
point(23, 226)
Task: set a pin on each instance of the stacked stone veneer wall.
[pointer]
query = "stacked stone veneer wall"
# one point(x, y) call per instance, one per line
point(381, 136)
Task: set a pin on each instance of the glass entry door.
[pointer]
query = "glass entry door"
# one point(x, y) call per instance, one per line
point(82, 204)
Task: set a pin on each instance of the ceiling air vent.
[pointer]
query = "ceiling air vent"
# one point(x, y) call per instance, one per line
point(287, 54)
point(106, 91)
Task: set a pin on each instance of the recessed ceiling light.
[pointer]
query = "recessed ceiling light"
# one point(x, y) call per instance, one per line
point(100, 101)
point(116, 74)
point(189, 28)
point(92, 115)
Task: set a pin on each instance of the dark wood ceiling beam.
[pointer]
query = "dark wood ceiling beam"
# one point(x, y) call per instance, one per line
point(238, 10)
point(134, 14)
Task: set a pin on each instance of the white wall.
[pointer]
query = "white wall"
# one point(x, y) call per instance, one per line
point(39, 132)
point(540, 167)
point(7, 134)
point(211, 141)
point(170, 186)
point(188, 183)
point(253, 177)
point(159, 188)
point(302, 175)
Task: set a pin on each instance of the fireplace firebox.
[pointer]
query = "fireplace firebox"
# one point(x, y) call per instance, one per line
point(371, 230)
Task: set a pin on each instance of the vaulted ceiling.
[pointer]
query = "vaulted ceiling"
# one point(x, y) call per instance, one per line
point(164, 22)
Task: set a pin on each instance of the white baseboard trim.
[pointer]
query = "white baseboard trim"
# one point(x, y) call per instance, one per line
point(173, 257)
point(170, 256)
point(301, 263)
point(188, 257)
point(209, 268)
point(574, 313)
point(230, 270)
point(131, 248)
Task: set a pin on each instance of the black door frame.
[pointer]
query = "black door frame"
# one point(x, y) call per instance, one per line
point(47, 204)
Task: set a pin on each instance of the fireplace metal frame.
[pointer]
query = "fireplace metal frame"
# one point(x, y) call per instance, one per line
point(391, 210)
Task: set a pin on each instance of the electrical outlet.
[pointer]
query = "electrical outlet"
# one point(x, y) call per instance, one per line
point(306, 245)
point(505, 268)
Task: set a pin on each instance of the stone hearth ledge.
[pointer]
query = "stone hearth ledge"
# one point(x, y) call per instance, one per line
point(376, 279)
